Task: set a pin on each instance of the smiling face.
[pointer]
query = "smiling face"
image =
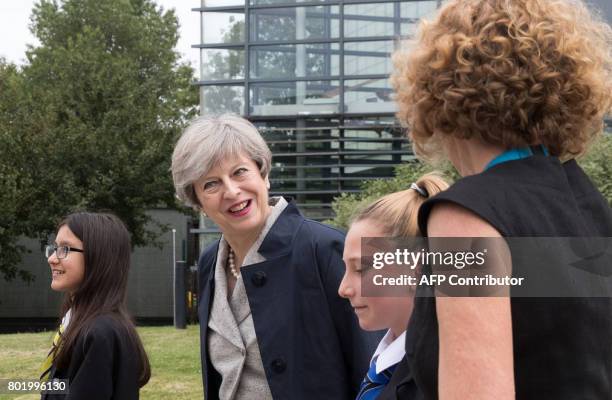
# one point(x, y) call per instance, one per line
point(68, 273)
point(235, 196)
point(374, 313)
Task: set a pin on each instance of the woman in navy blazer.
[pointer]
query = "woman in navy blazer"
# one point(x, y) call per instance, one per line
point(268, 287)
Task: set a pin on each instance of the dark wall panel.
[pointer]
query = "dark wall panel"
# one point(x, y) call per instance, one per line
point(149, 286)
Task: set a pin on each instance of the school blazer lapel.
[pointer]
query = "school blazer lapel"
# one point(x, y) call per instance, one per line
point(402, 385)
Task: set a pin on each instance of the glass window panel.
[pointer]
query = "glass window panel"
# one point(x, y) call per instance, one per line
point(222, 64)
point(371, 158)
point(368, 96)
point(272, 61)
point(294, 98)
point(363, 58)
point(295, 23)
point(367, 146)
point(222, 3)
point(288, 61)
point(376, 139)
point(259, 2)
point(221, 99)
point(222, 27)
point(371, 121)
point(303, 141)
point(375, 171)
point(364, 20)
point(412, 11)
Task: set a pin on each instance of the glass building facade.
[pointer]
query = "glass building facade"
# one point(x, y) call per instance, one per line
point(314, 78)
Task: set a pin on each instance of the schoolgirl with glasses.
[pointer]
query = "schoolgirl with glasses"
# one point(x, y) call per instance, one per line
point(96, 348)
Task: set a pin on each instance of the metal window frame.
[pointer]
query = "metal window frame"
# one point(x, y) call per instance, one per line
point(304, 4)
point(238, 82)
point(340, 122)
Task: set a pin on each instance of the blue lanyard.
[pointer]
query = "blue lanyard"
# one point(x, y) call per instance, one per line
point(513, 154)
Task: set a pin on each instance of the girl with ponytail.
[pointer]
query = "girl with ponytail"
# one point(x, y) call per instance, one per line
point(393, 215)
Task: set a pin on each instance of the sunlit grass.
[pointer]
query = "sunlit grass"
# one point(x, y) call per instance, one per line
point(174, 355)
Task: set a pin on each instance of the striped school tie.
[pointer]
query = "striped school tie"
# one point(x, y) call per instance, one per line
point(46, 366)
point(373, 383)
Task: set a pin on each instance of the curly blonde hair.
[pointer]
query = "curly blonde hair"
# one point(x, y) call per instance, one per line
point(508, 72)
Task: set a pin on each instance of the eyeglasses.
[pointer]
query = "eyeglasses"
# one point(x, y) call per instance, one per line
point(60, 251)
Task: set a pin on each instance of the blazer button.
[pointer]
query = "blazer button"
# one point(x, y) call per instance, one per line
point(279, 365)
point(259, 278)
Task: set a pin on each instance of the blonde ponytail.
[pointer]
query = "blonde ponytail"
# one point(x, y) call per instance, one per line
point(397, 213)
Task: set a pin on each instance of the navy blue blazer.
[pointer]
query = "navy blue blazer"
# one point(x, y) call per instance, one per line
point(401, 386)
point(309, 337)
point(104, 365)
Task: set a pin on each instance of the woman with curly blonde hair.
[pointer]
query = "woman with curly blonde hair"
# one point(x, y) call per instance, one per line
point(510, 91)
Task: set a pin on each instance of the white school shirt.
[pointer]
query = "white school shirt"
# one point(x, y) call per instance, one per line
point(66, 319)
point(389, 351)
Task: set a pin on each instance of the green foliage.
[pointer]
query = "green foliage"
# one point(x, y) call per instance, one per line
point(346, 205)
point(11, 174)
point(93, 117)
point(597, 164)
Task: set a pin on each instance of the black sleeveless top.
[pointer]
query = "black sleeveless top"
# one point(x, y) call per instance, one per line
point(562, 346)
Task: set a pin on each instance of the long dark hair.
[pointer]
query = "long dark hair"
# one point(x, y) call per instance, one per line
point(106, 250)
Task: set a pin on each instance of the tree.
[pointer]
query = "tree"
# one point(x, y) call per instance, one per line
point(11, 174)
point(346, 204)
point(106, 99)
point(597, 164)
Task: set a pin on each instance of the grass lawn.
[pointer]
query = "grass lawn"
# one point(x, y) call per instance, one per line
point(174, 355)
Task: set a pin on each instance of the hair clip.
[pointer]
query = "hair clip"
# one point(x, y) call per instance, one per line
point(419, 189)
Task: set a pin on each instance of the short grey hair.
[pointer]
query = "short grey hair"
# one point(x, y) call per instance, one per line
point(205, 142)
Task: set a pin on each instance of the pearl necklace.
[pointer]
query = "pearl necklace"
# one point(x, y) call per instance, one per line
point(232, 264)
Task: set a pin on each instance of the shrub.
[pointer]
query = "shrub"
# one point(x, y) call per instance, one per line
point(597, 164)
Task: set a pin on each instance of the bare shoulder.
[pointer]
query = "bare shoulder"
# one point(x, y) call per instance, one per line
point(452, 220)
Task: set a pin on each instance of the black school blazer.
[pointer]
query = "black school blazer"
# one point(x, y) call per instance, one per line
point(402, 385)
point(309, 337)
point(104, 365)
